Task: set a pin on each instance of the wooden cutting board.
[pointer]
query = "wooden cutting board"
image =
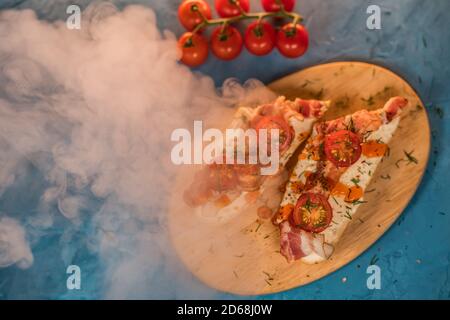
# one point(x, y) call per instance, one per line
point(242, 256)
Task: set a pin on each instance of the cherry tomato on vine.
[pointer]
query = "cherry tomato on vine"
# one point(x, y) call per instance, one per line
point(260, 38)
point(273, 6)
point(226, 43)
point(230, 8)
point(292, 41)
point(194, 48)
point(190, 13)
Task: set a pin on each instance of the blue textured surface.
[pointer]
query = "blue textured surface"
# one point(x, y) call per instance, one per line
point(414, 254)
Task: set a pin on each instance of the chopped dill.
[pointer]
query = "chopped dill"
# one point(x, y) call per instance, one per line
point(410, 158)
point(269, 276)
point(424, 42)
point(355, 181)
point(369, 101)
point(373, 260)
point(351, 125)
point(305, 84)
point(335, 200)
point(388, 152)
point(348, 215)
point(439, 112)
point(318, 95)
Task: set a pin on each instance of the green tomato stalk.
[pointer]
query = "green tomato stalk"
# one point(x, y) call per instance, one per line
point(282, 13)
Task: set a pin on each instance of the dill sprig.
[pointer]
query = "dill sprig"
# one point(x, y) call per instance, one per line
point(410, 158)
point(369, 101)
point(373, 260)
point(355, 181)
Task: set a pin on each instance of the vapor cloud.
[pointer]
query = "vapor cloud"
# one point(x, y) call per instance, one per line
point(92, 111)
point(13, 246)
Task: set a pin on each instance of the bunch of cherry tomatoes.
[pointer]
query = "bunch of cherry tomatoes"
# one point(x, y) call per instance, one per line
point(226, 41)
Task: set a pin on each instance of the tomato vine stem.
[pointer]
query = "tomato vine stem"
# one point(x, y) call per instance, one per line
point(282, 13)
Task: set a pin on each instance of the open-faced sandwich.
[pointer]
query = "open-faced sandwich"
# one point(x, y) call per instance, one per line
point(224, 188)
point(328, 183)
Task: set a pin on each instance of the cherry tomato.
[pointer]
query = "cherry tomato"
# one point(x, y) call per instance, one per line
point(292, 42)
point(221, 177)
point(276, 122)
point(248, 176)
point(230, 8)
point(343, 148)
point(194, 48)
point(273, 6)
point(260, 38)
point(226, 43)
point(312, 213)
point(197, 194)
point(189, 13)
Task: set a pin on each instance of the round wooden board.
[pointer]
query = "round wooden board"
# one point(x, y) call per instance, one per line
point(242, 256)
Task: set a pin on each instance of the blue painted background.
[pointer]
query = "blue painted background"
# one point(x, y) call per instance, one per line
point(415, 253)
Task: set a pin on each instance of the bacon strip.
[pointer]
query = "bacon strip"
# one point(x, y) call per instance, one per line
point(296, 243)
point(311, 247)
point(310, 107)
point(291, 242)
point(393, 106)
point(365, 120)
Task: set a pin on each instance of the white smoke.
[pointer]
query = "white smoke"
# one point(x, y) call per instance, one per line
point(93, 110)
point(13, 246)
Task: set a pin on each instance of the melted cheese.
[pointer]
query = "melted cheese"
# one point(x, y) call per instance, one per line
point(302, 128)
point(357, 177)
point(360, 172)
